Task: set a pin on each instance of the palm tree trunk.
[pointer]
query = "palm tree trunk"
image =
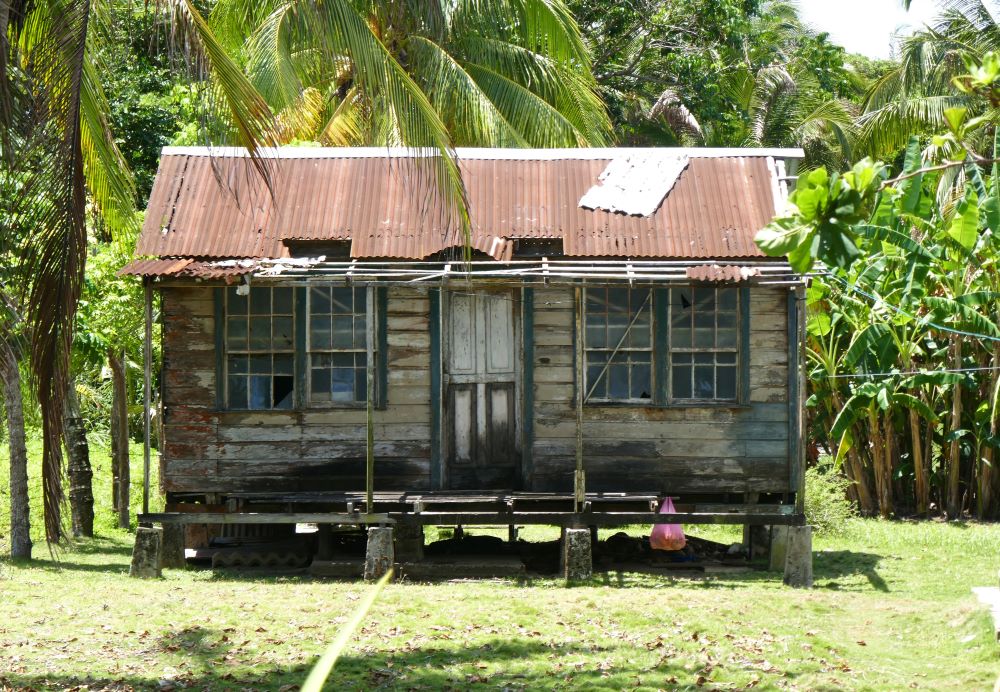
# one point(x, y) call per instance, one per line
point(81, 491)
point(954, 501)
point(119, 434)
point(20, 518)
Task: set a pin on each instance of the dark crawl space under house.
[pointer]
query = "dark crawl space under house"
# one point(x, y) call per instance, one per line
point(337, 351)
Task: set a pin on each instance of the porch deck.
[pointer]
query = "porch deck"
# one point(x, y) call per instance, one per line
point(500, 508)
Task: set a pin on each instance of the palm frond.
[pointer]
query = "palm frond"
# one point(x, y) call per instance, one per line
point(887, 129)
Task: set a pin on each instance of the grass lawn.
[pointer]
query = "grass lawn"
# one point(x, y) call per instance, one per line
point(892, 609)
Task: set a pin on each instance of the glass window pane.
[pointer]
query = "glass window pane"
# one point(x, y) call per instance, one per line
point(597, 300)
point(260, 365)
point(641, 382)
point(282, 327)
point(727, 320)
point(681, 381)
point(596, 335)
point(319, 332)
point(726, 338)
point(283, 364)
point(725, 383)
point(725, 358)
point(343, 332)
point(236, 333)
point(260, 391)
point(704, 358)
point(680, 300)
point(618, 300)
point(704, 319)
point(320, 385)
point(617, 381)
point(360, 335)
point(236, 304)
point(727, 298)
point(284, 391)
point(680, 338)
point(704, 299)
point(361, 385)
point(319, 301)
point(260, 301)
point(260, 334)
point(238, 365)
point(343, 300)
point(600, 390)
point(342, 384)
point(282, 301)
point(639, 335)
point(704, 338)
point(237, 391)
point(342, 360)
point(617, 323)
point(682, 358)
point(704, 384)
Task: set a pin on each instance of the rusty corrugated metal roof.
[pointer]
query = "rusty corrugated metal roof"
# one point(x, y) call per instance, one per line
point(215, 207)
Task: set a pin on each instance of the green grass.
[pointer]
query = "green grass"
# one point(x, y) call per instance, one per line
point(892, 609)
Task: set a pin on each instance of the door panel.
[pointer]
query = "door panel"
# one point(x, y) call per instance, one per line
point(481, 376)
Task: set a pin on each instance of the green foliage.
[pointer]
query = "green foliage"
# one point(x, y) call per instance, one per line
point(728, 73)
point(904, 328)
point(826, 207)
point(828, 510)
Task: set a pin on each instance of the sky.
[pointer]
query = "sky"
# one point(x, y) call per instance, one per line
point(866, 26)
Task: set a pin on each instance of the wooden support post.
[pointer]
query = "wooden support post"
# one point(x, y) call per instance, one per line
point(370, 371)
point(147, 387)
point(579, 479)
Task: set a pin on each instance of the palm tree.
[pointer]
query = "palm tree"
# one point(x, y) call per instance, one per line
point(912, 98)
point(497, 74)
point(776, 97)
point(379, 72)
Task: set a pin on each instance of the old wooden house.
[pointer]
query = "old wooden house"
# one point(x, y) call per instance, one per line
point(333, 351)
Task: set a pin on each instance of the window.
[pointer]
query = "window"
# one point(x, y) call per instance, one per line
point(337, 345)
point(260, 349)
point(662, 346)
point(703, 343)
point(619, 344)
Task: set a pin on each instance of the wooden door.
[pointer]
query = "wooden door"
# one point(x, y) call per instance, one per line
point(481, 375)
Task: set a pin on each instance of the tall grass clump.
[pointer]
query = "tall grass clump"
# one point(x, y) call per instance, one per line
point(828, 508)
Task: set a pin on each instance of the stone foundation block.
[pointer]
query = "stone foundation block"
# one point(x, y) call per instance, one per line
point(146, 553)
point(380, 556)
point(798, 559)
point(577, 563)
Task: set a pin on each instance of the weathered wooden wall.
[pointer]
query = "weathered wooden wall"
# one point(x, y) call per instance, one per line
point(316, 449)
point(665, 450)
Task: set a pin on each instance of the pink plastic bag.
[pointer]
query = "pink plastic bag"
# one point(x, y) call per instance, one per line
point(667, 536)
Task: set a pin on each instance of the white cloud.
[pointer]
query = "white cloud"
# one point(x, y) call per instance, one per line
point(866, 26)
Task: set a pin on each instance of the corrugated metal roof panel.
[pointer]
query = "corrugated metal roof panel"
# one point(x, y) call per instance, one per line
point(389, 207)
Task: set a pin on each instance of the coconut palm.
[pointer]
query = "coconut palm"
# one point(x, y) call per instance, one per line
point(503, 73)
point(382, 72)
point(912, 98)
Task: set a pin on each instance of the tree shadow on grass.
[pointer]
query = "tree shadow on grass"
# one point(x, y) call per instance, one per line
point(837, 564)
point(497, 663)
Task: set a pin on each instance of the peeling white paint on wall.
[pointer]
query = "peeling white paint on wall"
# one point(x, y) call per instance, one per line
point(635, 184)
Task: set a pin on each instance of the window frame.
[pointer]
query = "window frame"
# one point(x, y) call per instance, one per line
point(300, 367)
point(247, 352)
point(662, 352)
point(378, 347)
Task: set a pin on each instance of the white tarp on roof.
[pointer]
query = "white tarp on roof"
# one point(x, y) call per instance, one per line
point(635, 184)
